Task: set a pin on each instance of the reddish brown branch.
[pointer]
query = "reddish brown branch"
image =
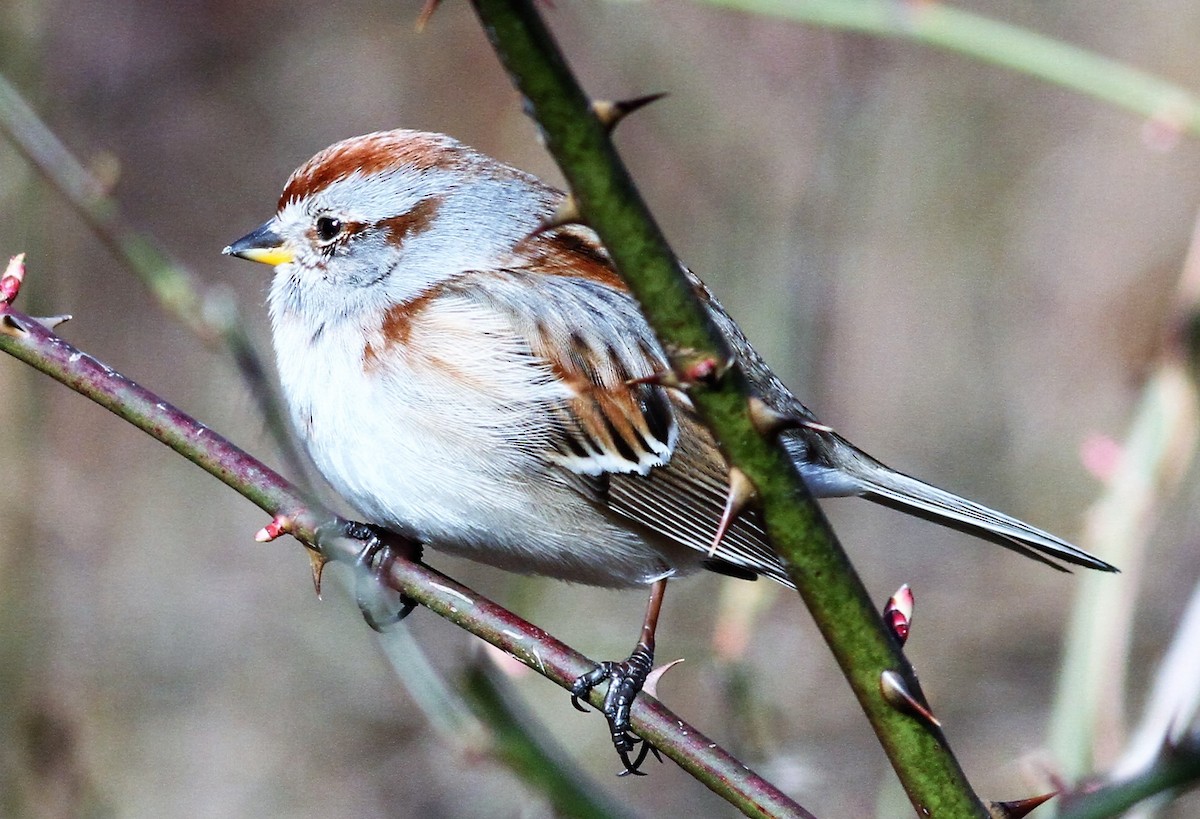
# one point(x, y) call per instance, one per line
point(29, 340)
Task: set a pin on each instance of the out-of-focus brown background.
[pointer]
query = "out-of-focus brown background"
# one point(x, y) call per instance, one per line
point(964, 270)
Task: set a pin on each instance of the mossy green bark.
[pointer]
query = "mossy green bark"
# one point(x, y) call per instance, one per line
point(827, 582)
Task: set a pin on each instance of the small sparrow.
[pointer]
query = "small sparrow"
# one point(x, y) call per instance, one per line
point(470, 379)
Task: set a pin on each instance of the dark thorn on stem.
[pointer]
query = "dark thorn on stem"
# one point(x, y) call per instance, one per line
point(1019, 808)
point(610, 113)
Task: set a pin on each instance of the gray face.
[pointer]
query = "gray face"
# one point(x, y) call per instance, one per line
point(402, 227)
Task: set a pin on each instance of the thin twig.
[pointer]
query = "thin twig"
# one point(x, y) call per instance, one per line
point(30, 341)
point(1168, 108)
point(1176, 768)
point(209, 313)
point(1087, 728)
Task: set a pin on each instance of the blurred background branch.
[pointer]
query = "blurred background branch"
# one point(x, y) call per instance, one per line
point(1140, 473)
point(209, 312)
point(941, 25)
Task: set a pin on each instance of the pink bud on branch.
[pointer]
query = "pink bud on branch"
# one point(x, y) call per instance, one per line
point(897, 614)
point(10, 282)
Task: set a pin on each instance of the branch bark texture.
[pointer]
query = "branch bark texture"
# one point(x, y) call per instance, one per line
point(823, 574)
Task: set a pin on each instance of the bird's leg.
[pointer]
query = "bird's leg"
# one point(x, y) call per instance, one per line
point(381, 606)
point(625, 680)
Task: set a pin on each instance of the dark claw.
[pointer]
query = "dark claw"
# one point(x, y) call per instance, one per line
point(584, 685)
point(380, 606)
point(635, 766)
point(625, 680)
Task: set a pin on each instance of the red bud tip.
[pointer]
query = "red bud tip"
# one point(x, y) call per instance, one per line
point(1164, 131)
point(14, 274)
point(278, 526)
point(704, 370)
point(897, 614)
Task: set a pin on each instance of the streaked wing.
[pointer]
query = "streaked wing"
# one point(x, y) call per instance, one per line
point(631, 445)
point(683, 500)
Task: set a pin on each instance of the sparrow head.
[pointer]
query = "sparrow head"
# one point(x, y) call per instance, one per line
point(387, 215)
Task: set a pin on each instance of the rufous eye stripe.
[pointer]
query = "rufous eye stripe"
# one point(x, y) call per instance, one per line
point(417, 220)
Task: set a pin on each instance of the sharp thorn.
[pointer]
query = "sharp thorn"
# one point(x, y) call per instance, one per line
point(610, 113)
point(566, 213)
point(651, 685)
point(50, 322)
point(426, 14)
point(741, 492)
point(896, 692)
point(663, 378)
point(317, 561)
point(1018, 808)
point(770, 421)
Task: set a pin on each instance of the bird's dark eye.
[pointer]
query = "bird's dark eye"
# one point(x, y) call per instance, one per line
point(328, 228)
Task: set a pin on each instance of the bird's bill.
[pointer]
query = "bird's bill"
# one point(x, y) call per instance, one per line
point(263, 245)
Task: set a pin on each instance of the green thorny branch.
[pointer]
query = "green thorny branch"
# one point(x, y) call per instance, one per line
point(607, 200)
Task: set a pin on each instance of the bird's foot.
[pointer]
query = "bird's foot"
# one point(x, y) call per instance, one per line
point(625, 680)
point(381, 606)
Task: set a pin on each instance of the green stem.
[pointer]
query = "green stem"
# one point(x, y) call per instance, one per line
point(1176, 769)
point(1091, 688)
point(538, 760)
point(995, 42)
point(831, 589)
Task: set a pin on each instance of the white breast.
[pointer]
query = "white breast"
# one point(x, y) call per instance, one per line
point(444, 437)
